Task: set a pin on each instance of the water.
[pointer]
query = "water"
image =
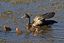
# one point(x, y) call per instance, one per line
point(56, 35)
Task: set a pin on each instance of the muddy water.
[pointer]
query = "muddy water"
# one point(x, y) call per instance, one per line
point(55, 35)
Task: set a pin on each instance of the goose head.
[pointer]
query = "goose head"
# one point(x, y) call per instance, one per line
point(27, 17)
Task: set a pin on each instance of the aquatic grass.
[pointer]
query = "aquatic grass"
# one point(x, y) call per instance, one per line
point(5, 0)
point(23, 1)
point(8, 12)
point(2, 40)
point(3, 16)
point(27, 41)
point(27, 33)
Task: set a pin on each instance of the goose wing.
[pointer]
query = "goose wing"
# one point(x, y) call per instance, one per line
point(48, 15)
point(43, 17)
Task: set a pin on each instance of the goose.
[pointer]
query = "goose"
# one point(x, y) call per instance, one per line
point(39, 18)
point(18, 31)
point(39, 21)
point(7, 28)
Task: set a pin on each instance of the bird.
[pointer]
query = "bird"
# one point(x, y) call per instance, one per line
point(18, 31)
point(7, 28)
point(39, 20)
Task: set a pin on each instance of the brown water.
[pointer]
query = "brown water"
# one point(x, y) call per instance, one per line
point(56, 33)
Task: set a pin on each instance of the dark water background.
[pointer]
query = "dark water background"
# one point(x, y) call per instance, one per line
point(56, 35)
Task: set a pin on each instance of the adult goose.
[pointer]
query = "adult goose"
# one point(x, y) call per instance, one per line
point(40, 20)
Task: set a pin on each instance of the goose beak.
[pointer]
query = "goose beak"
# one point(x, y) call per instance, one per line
point(23, 16)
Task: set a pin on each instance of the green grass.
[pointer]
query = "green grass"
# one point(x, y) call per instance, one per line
point(2, 41)
point(5, 0)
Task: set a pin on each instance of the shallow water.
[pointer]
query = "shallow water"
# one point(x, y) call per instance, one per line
point(55, 35)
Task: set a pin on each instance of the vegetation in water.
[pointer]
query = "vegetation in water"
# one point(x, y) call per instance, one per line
point(5, 0)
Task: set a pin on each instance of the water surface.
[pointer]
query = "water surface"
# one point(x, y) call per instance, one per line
point(56, 35)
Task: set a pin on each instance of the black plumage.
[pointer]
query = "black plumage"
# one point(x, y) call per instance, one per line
point(48, 22)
